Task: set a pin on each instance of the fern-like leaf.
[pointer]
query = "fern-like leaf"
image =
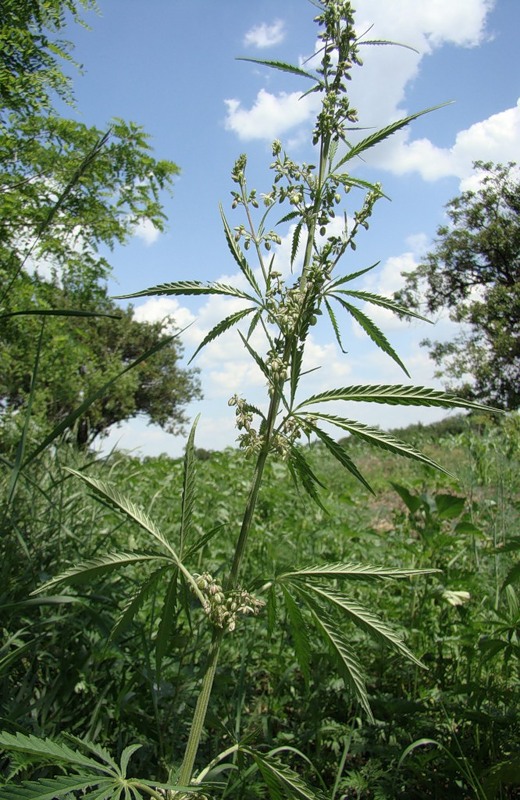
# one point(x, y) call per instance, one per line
point(60, 787)
point(49, 751)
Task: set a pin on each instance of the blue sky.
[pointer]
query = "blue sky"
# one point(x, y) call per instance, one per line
point(170, 66)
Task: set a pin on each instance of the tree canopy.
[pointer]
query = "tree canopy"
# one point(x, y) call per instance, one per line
point(68, 193)
point(473, 271)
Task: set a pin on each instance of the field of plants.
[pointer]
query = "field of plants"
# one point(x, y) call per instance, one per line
point(448, 730)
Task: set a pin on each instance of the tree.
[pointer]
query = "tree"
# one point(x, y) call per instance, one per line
point(69, 193)
point(474, 272)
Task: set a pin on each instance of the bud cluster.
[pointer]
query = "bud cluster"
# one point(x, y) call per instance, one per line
point(222, 608)
point(250, 440)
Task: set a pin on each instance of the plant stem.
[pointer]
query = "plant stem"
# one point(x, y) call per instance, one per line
point(201, 708)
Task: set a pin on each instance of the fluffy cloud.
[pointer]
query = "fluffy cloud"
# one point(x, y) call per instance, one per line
point(271, 114)
point(146, 231)
point(265, 35)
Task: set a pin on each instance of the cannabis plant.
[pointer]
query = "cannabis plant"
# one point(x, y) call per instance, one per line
point(281, 310)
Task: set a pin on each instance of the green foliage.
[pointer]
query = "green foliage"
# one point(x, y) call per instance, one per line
point(175, 662)
point(473, 271)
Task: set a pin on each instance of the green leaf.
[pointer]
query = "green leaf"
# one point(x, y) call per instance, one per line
point(295, 241)
point(257, 358)
point(347, 278)
point(384, 302)
point(133, 605)
point(379, 438)
point(116, 500)
point(396, 395)
point(95, 567)
point(412, 501)
point(344, 657)
point(47, 750)
point(339, 453)
point(373, 331)
point(188, 488)
point(183, 288)
point(52, 788)
point(223, 326)
point(299, 633)
point(363, 618)
point(166, 624)
point(281, 781)
point(302, 474)
point(283, 67)
point(449, 506)
point(238, 255)
point(384, 133)
point(335, 326)
point(354, 571)
point(57, 312)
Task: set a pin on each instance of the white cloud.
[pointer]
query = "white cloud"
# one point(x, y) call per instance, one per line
point(271, 115)
point(265, 35)
point(146, 231)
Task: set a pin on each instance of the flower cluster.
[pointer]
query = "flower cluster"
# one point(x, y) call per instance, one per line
point(222, 608)
point(250, 440)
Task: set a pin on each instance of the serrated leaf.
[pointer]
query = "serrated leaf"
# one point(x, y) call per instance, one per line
point(281, 65)
point(354, 571)
point(52, 788)
point(384, 302)
point(295, 242)
point(412, 502)
point(296, 368)
point(396, 395)
point(281, 781)
point(126, 755)
point(303, 475)
point(166, 624)
point(347, 278)
point(256, 356)
point(363, 618)
point(98, 566)
point(344, 656)
point(379, 438)
point(183, 288)
point(188, 488)
point(335, 326)
point(117, 500)
point(384, 133)
point(375, 333)
point(223, 326)
point(48, 750)
point(299, 633)
point(131, 608)
point(340, 454)
point(238, 255)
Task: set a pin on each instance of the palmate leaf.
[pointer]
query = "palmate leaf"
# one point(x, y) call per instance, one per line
point(363, 618)
point(354, 571)
point(238, 255)
point(384, 302)
point(299, 633)
point(95, 567)
point(371, 329)
point(223, 326)
point(379, 438)
point(396, 395)
point(189, 288)
point(339, 453)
